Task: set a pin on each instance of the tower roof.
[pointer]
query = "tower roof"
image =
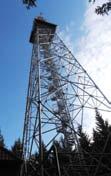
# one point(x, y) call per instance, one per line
point(41, 25)
point(42, 22)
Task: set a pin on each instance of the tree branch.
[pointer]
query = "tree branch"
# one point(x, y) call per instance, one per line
point(30, 3)
point(104, 9)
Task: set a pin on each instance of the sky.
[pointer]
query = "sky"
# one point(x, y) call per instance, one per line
point(87, 35)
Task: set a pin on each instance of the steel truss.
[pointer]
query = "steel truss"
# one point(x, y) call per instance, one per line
point(61, 97)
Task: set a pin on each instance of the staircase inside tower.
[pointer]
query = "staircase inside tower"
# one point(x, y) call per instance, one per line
point(61, 99)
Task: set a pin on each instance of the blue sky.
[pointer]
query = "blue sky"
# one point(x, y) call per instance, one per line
point(83, 31)
point(15, 27)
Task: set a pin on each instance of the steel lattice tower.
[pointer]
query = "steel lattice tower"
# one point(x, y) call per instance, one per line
point(61, 95)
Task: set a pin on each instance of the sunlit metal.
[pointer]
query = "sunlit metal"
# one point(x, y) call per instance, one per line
point(61, 96)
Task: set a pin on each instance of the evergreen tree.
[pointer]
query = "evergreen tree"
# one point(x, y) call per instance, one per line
point(34, 163)
point(100, 133)
point(84, 150)
point(84, 141)
point(102, 145)
point(2, 144)
point(17, 148)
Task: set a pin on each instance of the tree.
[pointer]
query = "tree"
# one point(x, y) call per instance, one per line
point(97, 153)
point(63, 154)
point(104, 9)
point(33, 164)
point(29, 3)
point(84, 141)
point(17, 148)
point(2, 144)
point(100, 133)
point(101, 145)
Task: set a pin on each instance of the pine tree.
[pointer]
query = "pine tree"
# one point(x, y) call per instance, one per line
point(17, 148)
point(84, 140)
point(100, 133)
point(2, 144)
point(101, 145)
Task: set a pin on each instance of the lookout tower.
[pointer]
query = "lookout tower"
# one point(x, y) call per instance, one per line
point(61, 97)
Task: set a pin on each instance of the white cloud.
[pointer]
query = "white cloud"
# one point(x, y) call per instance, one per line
point(94, 48)
point(66, 35)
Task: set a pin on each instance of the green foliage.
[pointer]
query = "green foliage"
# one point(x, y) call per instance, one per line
point(103, 9)
point(17, 148)
point(101, 145)
point(95, 154)
point(84, 140)
point(101, 133)
point(30, 3)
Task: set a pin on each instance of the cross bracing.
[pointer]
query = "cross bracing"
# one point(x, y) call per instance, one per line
point(61, 97)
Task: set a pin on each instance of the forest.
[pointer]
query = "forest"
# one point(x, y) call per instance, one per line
point(92, 155)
